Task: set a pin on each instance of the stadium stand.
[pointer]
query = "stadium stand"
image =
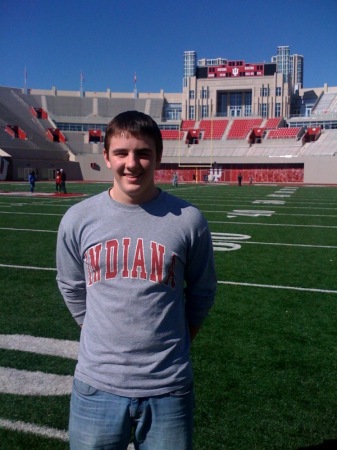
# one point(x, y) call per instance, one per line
point(28, 147)
point(285, 133)
point(249, 118)
point(69, 106)
point(241, 127)
point(325, 146)
point(271, 151)
point(326, 103)
point(79, 144)
point(213, 129)
point(187, 125)
point(272, 123)
point(15, 112)
point(172, 134)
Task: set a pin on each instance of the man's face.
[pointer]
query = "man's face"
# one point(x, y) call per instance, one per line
point(132, 162)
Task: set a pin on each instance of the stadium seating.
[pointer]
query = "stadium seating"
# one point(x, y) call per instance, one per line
point(326, 104)
point(284, 133)
point(284, 151)
point(172, 134)
point(241, 127)
point(39, 113)
point(69, 106)
point(79, 143)
point(55, 135)
point(15, 111)
point(15, 131)
point(273, 123)
point(213, 129)
point(187, 125)
point(27, 120)
point(325, 146)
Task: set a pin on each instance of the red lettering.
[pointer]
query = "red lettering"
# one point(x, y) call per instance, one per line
point(89, 269)
point(138, 268)
point(126, 245)
point(117, 261)
point(94, 254)
point(157, 262)
point(111, 259)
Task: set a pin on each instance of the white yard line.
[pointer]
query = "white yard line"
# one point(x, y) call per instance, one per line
point(17, 425)
point(28, 229)
point(12, 266)
point(294, 288)
point(40, 345)
point(30, 213)
point(271, 224)
point(24, 382)
point(271, 286)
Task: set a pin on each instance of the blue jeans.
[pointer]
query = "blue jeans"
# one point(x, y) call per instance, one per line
point(100, 420)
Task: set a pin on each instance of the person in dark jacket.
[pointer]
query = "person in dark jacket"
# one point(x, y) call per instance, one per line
point(63, 181)
point(32, 180)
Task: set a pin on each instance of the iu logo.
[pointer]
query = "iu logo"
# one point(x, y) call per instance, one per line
point(235, 71)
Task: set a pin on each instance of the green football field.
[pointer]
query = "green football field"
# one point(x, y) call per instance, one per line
point(265, 362)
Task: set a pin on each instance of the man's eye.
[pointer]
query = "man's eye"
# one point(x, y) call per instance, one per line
point(144, 154)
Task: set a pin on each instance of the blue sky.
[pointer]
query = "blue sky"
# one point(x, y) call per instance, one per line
point(110, 40)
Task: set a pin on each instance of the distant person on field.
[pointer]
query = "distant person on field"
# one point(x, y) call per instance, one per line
point(58, 182)
point(175, 180)
point(32, 180)
point(63, 181)
point(136, 270)
point(240, 179)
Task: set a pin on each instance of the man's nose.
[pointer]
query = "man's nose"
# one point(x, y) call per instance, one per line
point(131, 160)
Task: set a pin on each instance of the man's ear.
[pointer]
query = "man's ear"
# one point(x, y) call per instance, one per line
point(106, 159)
point(158, 161)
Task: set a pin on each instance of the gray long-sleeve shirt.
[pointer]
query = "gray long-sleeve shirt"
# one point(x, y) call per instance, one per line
point(135, 277)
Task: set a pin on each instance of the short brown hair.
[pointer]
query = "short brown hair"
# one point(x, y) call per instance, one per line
point(137, 124)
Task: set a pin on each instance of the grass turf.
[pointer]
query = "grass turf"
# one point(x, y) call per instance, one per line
point(265, 360)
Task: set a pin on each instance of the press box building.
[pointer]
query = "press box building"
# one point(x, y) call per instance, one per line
point(226, 88)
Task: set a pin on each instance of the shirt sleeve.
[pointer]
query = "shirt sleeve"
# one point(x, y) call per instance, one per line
point(200, 276)
point(70, 272)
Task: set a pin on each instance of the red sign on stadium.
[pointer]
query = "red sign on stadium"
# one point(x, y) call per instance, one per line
point(233, 71)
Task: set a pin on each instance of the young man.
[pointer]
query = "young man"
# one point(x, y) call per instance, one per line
point(136, 270)
point(32, 181)
point(63, 181)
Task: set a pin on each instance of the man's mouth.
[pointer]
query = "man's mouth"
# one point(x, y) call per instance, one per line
point(132, 176)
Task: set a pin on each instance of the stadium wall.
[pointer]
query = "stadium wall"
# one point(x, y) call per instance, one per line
point(308, 170)
point(320, 170)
